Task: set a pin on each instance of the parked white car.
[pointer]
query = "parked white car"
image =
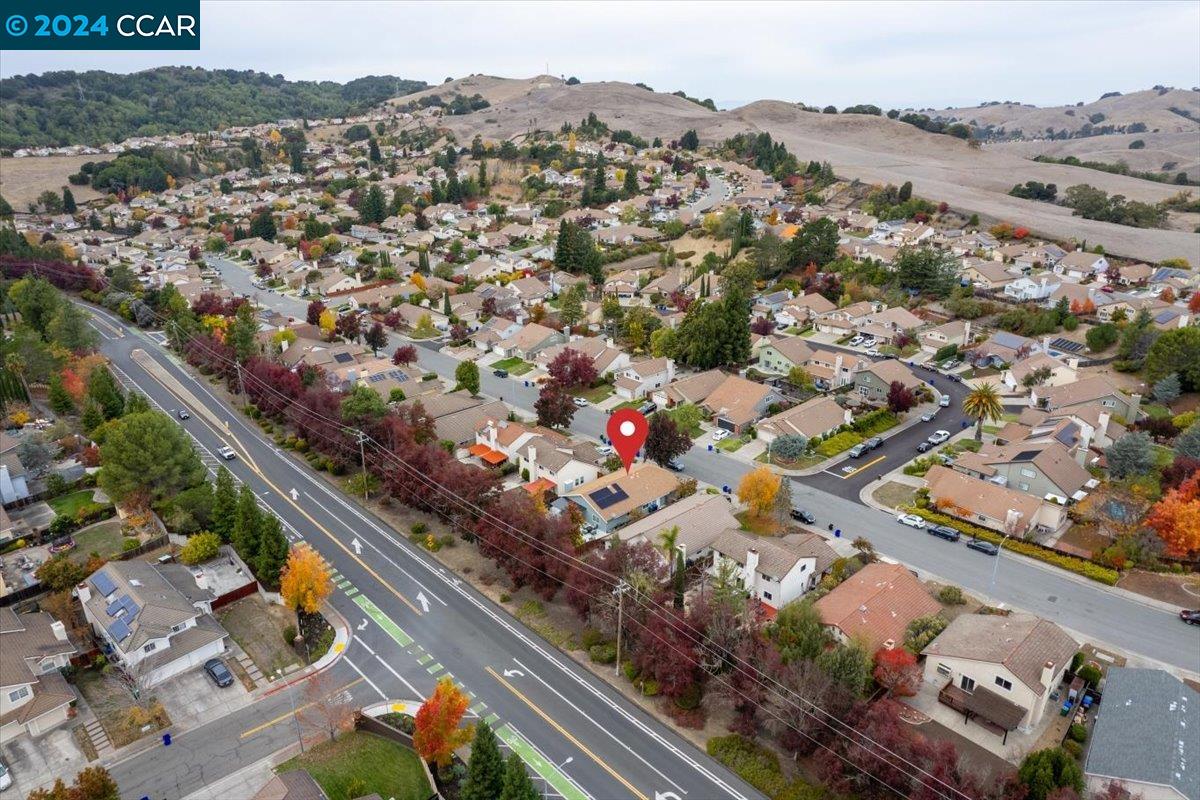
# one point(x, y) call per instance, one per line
point(911, 520)
point(944, 402)
point(937, 437)
point(856, 341)
point(719, 434)
point(580, 402)
point(227, 453)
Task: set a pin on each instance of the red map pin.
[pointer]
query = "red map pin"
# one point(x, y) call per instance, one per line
point(627, 431)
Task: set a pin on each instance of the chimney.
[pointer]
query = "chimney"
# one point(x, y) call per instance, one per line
point(1086, 434)
point(1073, 362)
point(60, 630)
point(1048, 674)
point(751, 563)
point(531, 457)
point(1102, 425)
point(1045, 344)
point(1135, 403)
point(83, 592)
point(966, 333)
point(492, 434)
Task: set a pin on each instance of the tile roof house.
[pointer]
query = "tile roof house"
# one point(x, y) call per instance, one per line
point(956, 332)
point(875, 605)
point(817, 416)
point(1145, 736)
point(736, 403)
point(1042, 470)
point(1081, 264)
point(1096, 391)
point(799, 310)
point(153, 619)
point(781, 355)
point(34, 696)
point(613, 500)
point(1060, 371)
point(605, 357)
point(875, 381)
point(701, 517)
point(457, 416)
point(640, 378)
point(1017, 659)
point(528, 341)
point(993, 506)
point(690, 389)
point(773, 572)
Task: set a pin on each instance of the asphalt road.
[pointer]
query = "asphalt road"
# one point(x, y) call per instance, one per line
point(414, 622)
point(1102, 615)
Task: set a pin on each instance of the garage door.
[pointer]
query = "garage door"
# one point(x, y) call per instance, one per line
point(726, 424)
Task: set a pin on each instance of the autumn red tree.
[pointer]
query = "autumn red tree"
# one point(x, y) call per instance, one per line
point(405, 354)
point(572, 369)
point(664, 440)
point(1194, 303)
point(900, 398)
point(313, 313)
point(1167, 295)
point(897, 671)
point(762, 326)
point(555, 407)
point(1176, 518)
point(437, 734)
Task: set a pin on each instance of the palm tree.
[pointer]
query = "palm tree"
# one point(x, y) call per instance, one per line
point(983, 403)
point(666, 542)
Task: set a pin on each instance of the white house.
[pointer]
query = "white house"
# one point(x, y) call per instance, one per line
point(643, 377)
point(773, 573)
point(1038, 288)
point(153, 620)
point(1079, 265)
point(34, 696)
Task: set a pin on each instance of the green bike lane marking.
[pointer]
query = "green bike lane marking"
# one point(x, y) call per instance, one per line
point(383, 621)
point(540, 764)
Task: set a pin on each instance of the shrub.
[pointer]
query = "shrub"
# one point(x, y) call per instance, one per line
point(590, 638)
point(875, 422)
point(649, 687)
point(603, 653)
point(759, 767)
point(1072, 748)
point(419, 528)
point(505, 597)
point(200, 548)
point(837, 443)
point(1078, 733)
point(1079, 566)
point(689, 698)
point(951, 596)
point(1090, 674)
point(630, 670)
point(1077, 661)
point(130, 543)
point(289, 635)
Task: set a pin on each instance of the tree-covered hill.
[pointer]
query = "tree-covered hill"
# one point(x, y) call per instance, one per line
point(61, 108)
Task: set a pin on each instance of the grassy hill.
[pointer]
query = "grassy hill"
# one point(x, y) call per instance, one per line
point(61, 108)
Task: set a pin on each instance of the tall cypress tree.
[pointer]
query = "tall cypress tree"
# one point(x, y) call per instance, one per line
point(517, 783)
point(485, 770)
point(423, 261)
point(68, 201)
point(272, 552)
point(224, 506)
point(103, 389)
point(247, 526)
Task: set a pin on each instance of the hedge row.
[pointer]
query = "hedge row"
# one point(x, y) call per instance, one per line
point(875, 422)
point(837, 443)
point(759, 767)
point(1074, 564)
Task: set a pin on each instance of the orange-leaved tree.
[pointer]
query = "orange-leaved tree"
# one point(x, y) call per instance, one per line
point(436, 733)
point(758, 489)
point(1176, 518)
point(304, 582)
point(896, 670)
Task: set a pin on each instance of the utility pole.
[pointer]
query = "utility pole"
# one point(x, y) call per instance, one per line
point(622, 587)
point(362, 454)
point(292, 697)
point(241, 383)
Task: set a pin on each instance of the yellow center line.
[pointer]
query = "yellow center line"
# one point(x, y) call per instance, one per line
point(287, 498)
point(304, 707)
point(864, 466)
point(567, 735)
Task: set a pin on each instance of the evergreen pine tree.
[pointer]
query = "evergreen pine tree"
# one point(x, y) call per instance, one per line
point(68, 201)
point(485, 770)
point(631, 181)
point(272, 552)
point(373, 151)
point(224, 507)
point(103, 390)
point(483, 181)
point(61, 401)
point(517, 783)
point(247, 526)
point(423, 261)
point(92, 416)
point(446, 304)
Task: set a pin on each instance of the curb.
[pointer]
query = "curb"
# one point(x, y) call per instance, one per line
point(341, 638)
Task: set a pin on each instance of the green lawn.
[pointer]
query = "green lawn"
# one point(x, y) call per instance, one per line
point(804, 462)
point(379, 765)
point(514, 366)
point(679, 412)
point(68, 505)
point(105, 539)
point(631, 404)
point(732, 444)
point(597, 394)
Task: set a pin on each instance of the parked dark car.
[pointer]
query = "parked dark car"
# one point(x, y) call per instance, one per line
point(945, 532)
point(648, 408)
point(987, 548)
point(1190, 615)
point(924, 447)
point(804, 516)
point(500, 373)
point(873, 443)
point(219, 673)
point(674, 466)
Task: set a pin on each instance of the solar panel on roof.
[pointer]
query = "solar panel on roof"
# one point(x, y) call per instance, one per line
point(343, 358)
point(119, 630)
point(1026, 455)
point(376, 378)
point(131, 607)
point(603, 498)
point(115, 606)
point(103, 584)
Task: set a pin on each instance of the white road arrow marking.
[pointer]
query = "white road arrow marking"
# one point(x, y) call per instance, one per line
point(295, 494)
point(666, 796)
point(362, 626)
point(508, 673)
point(357, 545)
point(422, 599)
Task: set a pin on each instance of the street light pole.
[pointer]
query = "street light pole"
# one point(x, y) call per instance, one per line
point(292, 699)
point(620, 592)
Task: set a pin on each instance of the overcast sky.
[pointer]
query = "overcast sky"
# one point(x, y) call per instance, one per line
point(898, 54)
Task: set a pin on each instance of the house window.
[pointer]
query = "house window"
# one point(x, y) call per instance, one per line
point(1003, 684)
point(943, 669)
point(1027, 473)
point(766, 595)
point(1024, 487)
point(968, 684)
point(18, 694)
point(150, 647)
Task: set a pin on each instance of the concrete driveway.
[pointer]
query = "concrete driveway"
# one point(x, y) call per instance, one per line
point(192, 699)
point(35, 763)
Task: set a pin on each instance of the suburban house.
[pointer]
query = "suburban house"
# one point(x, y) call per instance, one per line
point(457, 416)
point(818, 416)
point(800, 310)
point(691, 389)
point(605, 357)
point(153, 620)
point(736, 403)
point(548, 463)
point(1145, 736)
point(1028, 288)
point(640, 378)
point(773, 572)
point(1081, 264)
point(14, 486)
point(528, 341)
point(618, 498)
point(875, 606)
point(34, 696)
point(1000, 668)
point(1000, 508)
point(988, 275)
point(1043, 470)
point(875, 380)
point(1094, 391)
point(1040, 369)
point(1080, 428)
point(700, 517)
point(832, 369)
point(494, 331)
point(956, 332)
point(781, 355)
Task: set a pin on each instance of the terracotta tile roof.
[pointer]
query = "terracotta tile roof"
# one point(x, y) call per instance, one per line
point(877, 603)
point(644, 483)
point(1021, 642)
point(811, 418)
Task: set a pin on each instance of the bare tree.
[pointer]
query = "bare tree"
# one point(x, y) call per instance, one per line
point(327, 708)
